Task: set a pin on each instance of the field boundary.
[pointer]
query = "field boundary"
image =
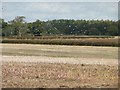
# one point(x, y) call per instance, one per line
point(81, 42)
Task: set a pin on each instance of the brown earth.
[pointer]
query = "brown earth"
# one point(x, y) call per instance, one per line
point(38, 74)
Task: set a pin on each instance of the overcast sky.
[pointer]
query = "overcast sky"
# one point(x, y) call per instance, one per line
point(60, 10)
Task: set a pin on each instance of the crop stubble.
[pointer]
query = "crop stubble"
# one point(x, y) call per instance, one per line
point(33, 74)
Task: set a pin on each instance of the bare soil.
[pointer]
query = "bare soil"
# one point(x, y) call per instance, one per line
point(57, 75)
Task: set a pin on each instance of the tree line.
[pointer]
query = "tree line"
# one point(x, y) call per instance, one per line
point(19, 27)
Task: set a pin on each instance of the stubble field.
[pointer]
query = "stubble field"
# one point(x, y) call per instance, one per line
point(59, 66)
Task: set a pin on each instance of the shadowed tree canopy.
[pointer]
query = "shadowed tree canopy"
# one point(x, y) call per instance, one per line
point(19, 27)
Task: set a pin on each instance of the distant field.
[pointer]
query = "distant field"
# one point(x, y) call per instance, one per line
point(59, 51)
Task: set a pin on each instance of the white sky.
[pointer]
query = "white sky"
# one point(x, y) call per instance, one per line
point(60, 9)
point(60, 0)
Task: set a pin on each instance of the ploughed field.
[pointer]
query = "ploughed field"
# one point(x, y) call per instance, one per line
point(59, 66)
